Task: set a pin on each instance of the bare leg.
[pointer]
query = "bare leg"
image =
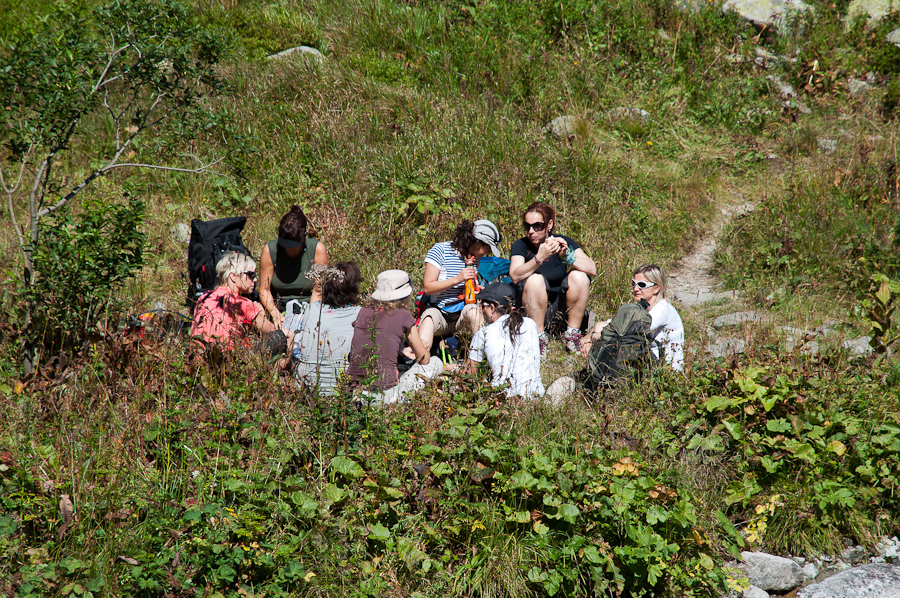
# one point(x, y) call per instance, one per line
point(474, 320)
point(534, 300)
point(577, 297)
point(426, 332)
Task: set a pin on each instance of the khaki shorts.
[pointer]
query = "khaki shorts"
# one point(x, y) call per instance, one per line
point(442, 326)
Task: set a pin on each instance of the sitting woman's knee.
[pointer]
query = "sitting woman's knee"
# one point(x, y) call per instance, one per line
point(535, 284)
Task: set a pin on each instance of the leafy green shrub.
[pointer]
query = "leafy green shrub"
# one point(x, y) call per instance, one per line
point(81, 260)
point(809, 439)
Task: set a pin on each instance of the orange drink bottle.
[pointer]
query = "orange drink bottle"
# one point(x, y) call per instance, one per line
point(470, 284)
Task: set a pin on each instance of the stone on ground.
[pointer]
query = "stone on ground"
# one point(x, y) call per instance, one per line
point(879, 580)
point(770, 572)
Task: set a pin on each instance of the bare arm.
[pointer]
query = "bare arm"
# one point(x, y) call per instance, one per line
point(584, 263)
point(433, 286)
point(266, 272)
point(519, 269)
point(321, 257)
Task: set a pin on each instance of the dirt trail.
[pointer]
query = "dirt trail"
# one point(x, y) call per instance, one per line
point(690, 281)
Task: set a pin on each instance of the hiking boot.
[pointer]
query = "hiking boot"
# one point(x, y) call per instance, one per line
point(572, 342)
point(543, 341)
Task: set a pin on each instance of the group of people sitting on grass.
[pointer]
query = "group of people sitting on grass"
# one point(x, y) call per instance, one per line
point(312, 311)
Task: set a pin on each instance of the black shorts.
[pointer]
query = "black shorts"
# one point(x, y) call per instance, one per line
point(555, 316)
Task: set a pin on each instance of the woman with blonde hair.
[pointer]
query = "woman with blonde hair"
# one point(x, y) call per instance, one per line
point(223, 315)
point(649, 283)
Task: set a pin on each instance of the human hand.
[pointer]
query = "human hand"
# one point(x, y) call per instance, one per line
point(289, 334)
point(549, 247)
point(277, 318)
point(468, 274)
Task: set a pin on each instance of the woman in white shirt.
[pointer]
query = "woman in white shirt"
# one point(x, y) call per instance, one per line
point(649, 283)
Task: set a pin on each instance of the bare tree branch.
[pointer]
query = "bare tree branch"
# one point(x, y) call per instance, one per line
point(100, 172)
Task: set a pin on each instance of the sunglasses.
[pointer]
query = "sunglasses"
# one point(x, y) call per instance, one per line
point(642, 284)
point(537, 226)
point(251, 274)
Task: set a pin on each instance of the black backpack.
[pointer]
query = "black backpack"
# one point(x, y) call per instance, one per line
point(624, 345)
point(209, 242)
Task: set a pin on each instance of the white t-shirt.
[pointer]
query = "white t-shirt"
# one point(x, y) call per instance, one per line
point(671, 336)
point(449, 263)
point(518, 364)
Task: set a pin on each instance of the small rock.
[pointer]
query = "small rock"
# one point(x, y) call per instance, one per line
point(810, 571)
point(889, 548)
point(857, 87)
point(799, 560)
point(771, 572)
point(305, 50)
point(754, 592)
point(561, 389)
point(838, 566)
point(741, 317)
point(826, 146)
point(854, 555)
point(734, 58)
point(870, 581)
point(893, 37)
point(766, 59)
point(564, 126)
point(181, 233)
point(623, 113)
point(858, 346)
point(726, 347)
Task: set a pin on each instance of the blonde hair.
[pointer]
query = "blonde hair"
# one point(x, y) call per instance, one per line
point(655, 274)
point(233, 262)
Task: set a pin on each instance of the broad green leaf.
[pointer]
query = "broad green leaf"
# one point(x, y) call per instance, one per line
point(706, 562)
point(441, 469)
point(379, 532)
point(733, 427)
point(569, 512)
point(519, 516)
point(347, 467)
point(837, 447)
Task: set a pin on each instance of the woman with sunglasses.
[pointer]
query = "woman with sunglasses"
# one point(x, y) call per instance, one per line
point(552, 275)
point(284, 263)
point(223, 315)
point(649, 283)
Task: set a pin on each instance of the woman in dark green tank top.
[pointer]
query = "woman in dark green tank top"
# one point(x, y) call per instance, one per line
point(284, 263)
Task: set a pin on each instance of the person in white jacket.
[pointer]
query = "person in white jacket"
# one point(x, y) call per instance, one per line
point(649, 283)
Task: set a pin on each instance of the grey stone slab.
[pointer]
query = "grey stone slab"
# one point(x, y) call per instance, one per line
point(879, 580)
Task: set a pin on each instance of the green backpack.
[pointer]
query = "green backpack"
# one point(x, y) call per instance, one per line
point(625, 344)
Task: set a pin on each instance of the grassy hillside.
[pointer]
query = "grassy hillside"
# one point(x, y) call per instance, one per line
point(130, 466)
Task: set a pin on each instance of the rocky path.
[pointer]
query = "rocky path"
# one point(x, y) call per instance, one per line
point(691, 282)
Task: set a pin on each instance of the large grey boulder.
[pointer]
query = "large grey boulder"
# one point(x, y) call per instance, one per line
point(879, 580)
point(770, 572)
point(772, 13)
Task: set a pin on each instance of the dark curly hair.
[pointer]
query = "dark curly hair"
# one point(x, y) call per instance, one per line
point(341, 293)
point(464, 238)
point(293, 225)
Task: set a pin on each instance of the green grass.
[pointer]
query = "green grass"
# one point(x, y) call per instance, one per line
point(200, 480)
